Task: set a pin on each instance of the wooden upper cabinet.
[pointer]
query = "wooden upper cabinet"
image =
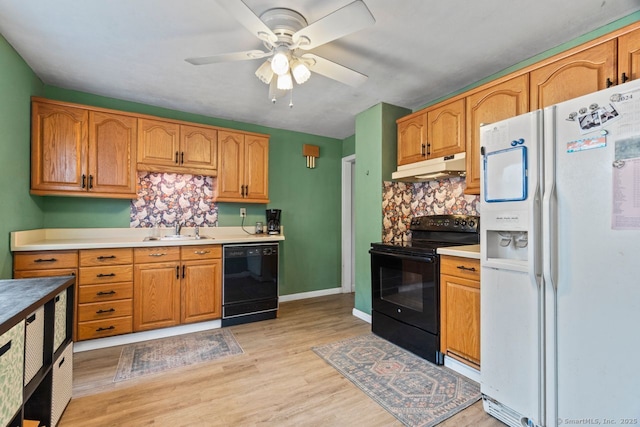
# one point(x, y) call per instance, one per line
point(59, 137)
point(256, 167)
point(158, 143)
point(243, 168)
point(495, 103)
point(412, 137)
point(171, 147)
point(112, 153)
point(629, 56)
point(584, 72)
point(445, 127)
point(199, 147)
point(75, 151)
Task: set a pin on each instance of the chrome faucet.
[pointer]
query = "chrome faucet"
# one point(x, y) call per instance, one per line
point(178, 227)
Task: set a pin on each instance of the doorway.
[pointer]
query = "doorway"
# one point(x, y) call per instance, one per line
point(348, 226)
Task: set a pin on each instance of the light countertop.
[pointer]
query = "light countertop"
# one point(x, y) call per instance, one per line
point(467, 251)
point(47, 239)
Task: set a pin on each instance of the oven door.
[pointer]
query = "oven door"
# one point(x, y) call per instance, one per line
point(405, 288)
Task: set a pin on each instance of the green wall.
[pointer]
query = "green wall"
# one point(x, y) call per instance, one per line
point(375, 147)
point(18, 210)
point(309, 198)
point(349, 146)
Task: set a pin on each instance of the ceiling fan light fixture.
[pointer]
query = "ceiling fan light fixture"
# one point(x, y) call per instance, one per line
point(285, 82)
point(280, 61)
point(300, 71)
point(265, 73)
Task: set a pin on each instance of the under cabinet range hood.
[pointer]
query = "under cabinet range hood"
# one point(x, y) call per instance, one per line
point(429, 170)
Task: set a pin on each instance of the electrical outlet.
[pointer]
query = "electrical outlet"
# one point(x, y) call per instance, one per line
point(243, 212)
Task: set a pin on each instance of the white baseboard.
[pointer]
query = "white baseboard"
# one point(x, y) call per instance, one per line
point(361, 315)
point(462, 369)
point(144, 336)
point(311, 294)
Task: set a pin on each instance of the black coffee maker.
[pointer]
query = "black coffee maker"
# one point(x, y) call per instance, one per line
point(273, 221)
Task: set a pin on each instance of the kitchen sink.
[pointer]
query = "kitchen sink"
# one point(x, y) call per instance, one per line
point(179, 237)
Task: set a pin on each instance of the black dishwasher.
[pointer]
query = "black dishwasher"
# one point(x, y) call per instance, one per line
point(249, 283)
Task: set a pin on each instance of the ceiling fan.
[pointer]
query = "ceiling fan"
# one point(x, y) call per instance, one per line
point(285, 35)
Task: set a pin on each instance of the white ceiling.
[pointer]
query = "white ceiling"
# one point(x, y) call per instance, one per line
point(417, 51)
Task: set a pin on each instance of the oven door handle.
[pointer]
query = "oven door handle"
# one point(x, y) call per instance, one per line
point(429, 259)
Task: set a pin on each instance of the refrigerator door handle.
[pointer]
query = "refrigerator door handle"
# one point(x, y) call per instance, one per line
point(549, 201)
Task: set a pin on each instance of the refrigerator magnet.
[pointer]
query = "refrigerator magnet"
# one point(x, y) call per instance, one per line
point(586, 144)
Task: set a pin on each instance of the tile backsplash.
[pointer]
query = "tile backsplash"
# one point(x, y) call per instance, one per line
point(168, 197)
point(401, 201)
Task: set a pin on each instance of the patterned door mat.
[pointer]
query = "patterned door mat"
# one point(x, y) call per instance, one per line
point(416, 392)
point(155, 356)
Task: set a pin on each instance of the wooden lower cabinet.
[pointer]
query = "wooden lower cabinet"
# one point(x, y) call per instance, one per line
point(183, 286)
point(156, 294)
point(460, 309)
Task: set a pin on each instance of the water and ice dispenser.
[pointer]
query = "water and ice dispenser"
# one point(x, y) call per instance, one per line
point(508, 245)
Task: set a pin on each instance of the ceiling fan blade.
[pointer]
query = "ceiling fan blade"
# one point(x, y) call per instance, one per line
point(249, 20)
point(334, 71)
point(228, 57)
point(349, 19)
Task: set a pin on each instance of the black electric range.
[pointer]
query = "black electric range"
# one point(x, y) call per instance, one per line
point(405, 282)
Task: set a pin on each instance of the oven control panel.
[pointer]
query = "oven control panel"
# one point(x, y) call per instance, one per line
point(459, 223)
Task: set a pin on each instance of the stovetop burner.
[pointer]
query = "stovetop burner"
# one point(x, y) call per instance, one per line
point(428, 233)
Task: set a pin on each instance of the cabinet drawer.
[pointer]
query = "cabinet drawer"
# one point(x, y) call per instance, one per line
point(28, 274)
point(45, 260)
point(104, 328)
point(11, 372)
point(106, 292)
point(104, 310)
point(201, 252)
point(467, 268)
point(96, 257)
point(156, 254)
point(106, 274)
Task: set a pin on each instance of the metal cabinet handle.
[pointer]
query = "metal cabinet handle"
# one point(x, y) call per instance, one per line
point(31, 319)
point(106, 275)
point(90, 182)
point(177, 271)
point(462, 267)
point(102, 293)
point(46, 260)
point(182, 158)
point(111, 310)
point(184, 267)
point(201, 252)
point(84, 181)
point(177, 157)
point(428, 149)
point(609, 82)
point(103, 257)
point(158, 254)
point(423, 149)
point(625, 78)
point(110, 328)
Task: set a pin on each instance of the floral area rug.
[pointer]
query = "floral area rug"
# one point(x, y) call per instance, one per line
point(155, 356)
point(416, 392)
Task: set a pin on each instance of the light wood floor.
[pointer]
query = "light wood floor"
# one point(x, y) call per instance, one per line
point(277, 381)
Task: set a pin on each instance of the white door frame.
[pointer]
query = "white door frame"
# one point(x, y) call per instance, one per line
point(348, 163)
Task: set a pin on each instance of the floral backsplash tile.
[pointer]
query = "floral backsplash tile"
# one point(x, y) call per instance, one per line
point(402, 201)
point(168, 197)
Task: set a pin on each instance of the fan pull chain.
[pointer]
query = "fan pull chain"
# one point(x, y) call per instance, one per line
point(291, 99)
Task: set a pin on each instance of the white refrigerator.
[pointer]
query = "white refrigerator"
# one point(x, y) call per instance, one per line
point(560, 263)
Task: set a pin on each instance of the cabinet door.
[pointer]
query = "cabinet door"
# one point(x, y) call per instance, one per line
point(201, 290)
point(156, 296)
point(629, 56)
point(58, 148)
point(412, 137)
point(499, 102)
point(256, 168)
point(445, 130)
point(231, 165)
point(462, 311)
point(158, 143)
point(198, 148)
point(579, 74)
point(112, 145)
